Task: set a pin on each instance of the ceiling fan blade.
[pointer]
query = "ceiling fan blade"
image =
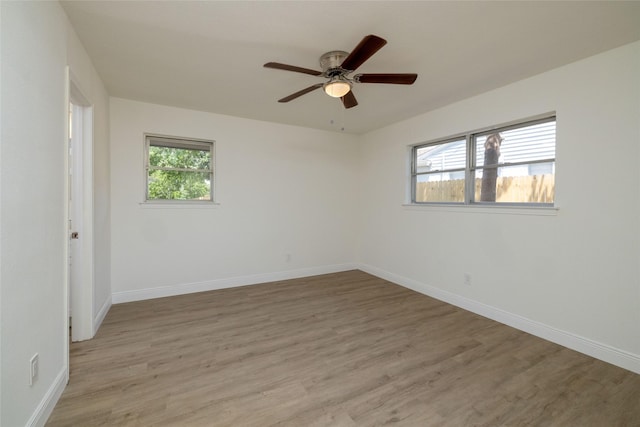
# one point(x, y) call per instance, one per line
point(279, 66)
point(349, 100)
point(365, 49)
point(396, 79)
point(300, 92)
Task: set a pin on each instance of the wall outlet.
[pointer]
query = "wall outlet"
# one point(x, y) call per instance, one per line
point(287, 257)
point(33, 369)
point(467, 279)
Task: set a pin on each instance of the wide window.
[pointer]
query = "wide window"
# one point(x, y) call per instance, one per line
point(178, 169)
point(505, 165)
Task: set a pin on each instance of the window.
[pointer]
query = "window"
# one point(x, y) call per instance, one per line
point(506, 165)
point(178, 169)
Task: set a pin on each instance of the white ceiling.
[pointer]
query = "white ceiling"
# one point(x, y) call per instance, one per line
point(208, 55)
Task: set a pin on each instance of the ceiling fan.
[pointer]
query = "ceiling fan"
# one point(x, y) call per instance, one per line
point(337, 65)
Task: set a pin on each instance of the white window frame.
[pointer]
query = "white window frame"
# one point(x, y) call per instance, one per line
point(179, 142)
point(470, 167)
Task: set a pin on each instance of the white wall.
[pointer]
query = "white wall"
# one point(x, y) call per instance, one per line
point(35, 47)
point(281, 190)
point(572, 276)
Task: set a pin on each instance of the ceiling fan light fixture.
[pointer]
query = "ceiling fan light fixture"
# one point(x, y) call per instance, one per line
point(337, 88)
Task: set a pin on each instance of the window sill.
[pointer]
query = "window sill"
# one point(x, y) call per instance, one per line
point(493, 210)
point(179, 205)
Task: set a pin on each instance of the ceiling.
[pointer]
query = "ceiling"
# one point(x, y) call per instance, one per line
point(209, 55)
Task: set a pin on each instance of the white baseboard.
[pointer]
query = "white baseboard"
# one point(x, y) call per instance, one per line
point(575, 342)
point(231, 282)
point(102, 313)
point(48, 402)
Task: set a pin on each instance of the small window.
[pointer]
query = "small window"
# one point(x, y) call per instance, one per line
point(178, 169)
point(506, 165)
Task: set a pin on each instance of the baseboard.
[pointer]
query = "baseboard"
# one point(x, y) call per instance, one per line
point(102, 313)
point(231, 282)
point(48, 402)
point(575, 342)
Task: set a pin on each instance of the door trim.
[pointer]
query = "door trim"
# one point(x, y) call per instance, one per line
point(81, 293)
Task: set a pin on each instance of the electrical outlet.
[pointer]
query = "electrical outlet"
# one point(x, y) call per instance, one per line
point(287, 257)
point(467, 279)
point(33, 369)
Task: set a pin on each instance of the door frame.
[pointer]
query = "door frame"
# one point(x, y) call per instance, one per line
point(80, 293)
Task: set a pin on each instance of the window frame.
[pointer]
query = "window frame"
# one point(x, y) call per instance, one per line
point(471, 167)
point(179, 143)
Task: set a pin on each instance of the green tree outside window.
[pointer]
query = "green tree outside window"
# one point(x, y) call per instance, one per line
point(176, 173)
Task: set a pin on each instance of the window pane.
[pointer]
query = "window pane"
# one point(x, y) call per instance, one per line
point(450, 155)
point(523, 144)
point(168, 157)
point(179, 185)
point(440, 172)
point(435, 190)
point(517, 184)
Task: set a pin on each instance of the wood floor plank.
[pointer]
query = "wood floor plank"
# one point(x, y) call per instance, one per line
point(344, 349)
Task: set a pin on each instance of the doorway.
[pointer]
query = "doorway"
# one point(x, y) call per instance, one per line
point(80, 280)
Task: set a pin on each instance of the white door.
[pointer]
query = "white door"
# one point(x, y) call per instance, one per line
point(75, 217)
point(80, 224)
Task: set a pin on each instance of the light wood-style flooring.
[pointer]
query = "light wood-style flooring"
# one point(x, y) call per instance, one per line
point(344, 349)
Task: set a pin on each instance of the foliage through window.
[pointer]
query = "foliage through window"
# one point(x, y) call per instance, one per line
point(178, 169)
point(508, 165)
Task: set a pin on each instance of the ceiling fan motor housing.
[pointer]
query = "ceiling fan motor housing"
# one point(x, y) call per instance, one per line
point(331, 61)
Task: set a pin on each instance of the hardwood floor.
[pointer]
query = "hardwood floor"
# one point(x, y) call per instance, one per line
point(344, 349)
